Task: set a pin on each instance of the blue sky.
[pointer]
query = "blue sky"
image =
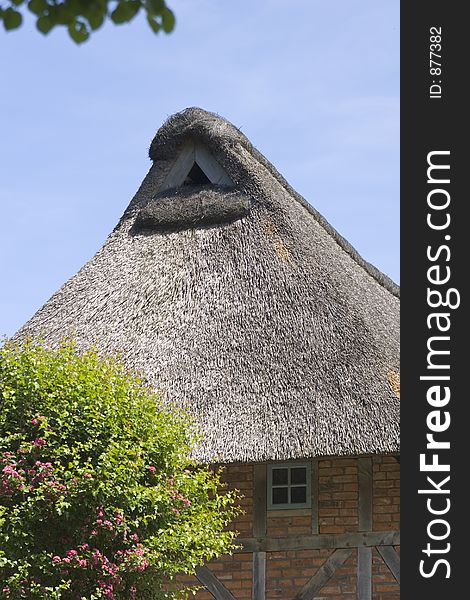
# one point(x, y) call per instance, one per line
point(314, 85)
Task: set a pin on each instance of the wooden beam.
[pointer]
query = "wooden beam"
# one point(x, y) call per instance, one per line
point(325, 540)
point(211, 167)
point(391, 559)
point(364, 573)
point(323, 574)
point(364, 466)
point(314, 494)
point(191, 153)
point(213, 585)
point(259, 500)
point(259, 576)
point(180, 168)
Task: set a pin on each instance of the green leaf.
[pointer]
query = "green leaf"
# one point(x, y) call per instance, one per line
point(12, 19)
point(61, 14)
point(45, 24)
point(95, 19)
point(98, 5)
point(17, 2)
point(134, 7)
point(168, 20)
point(153, 24)
point(155, 7)
point(78, 7)
point(37, 6)
point(125, 11)
point(78, 31)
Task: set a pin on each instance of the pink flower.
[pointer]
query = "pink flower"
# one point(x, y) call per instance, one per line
point(134, 537)
point(67, 560)
point(84, 546)
point(82, 563)
point(72, 553)
point(56, 559)
point(143, 565)
point(39, 442)
point(10, 470)
point(34, 421)
point(152, 469)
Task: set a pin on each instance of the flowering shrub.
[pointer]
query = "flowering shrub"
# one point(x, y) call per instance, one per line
point(98, 498)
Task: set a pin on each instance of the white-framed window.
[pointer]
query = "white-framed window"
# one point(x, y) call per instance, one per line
point(289, 485)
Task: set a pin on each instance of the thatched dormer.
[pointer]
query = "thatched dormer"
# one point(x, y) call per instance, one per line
point(237, 300)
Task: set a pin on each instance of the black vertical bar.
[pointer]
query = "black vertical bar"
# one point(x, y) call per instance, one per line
point(434, 129)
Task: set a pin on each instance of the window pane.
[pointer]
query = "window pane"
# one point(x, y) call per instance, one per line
point(280, 496)
point(298, 475)
point(280, 476)
point(298, 495)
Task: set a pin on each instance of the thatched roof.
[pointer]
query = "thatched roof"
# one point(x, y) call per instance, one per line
point(242, 304)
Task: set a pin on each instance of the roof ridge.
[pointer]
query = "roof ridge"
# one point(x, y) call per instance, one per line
point(370, 269)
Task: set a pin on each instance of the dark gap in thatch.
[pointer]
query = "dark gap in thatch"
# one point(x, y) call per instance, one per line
point(196, 176)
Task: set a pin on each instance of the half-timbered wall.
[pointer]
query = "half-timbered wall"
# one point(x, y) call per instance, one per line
point(344, 547)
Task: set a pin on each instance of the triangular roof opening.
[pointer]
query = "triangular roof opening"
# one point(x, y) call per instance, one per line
point(196, 176)
point(195, 165)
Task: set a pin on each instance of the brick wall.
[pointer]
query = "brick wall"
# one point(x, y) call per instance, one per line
point(386, 493)
point(386, 516)
point(287, 572)
point(338, 497)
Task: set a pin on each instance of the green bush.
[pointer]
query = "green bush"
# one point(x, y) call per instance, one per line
point(98, 495)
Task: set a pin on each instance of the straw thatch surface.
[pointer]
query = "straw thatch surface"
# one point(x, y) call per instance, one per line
point(192, 206)
point(267, 326)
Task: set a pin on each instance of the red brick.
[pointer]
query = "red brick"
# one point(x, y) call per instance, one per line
point(345, 495)
point(328, 512)
point(329, 472)
point(387, 587)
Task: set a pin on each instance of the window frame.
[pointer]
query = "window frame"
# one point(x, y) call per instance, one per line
point(307, 485)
